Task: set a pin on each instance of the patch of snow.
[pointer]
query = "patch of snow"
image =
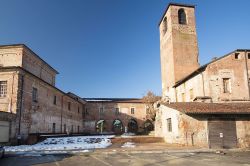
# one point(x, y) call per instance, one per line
point(65, 143)
point(128, 145)
point(127, 134)
point(32, 155)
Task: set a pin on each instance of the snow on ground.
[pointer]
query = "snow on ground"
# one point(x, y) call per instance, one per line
point(65, 143)
point(127, 135)
point(128, 145)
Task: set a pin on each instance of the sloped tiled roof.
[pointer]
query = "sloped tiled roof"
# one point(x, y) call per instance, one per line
point(116, 100)
point(203, 67)
point(210, 108)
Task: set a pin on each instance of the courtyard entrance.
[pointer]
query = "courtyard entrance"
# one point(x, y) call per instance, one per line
point(148, 126)
point(132, 126)
point(101, 126)
point(117, 126)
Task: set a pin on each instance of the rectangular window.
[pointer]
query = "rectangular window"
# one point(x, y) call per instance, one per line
point(54, 100)
point(176, 94)
point(54, 128)
point(34, 94)
point(169, 125)
point(132, 110)
point(191, 93)
point(84, 112)
point(65, 128)
point(248, 56)
point(237, 55)
point(3, 88)
point(117, 111)
point(101, 111)
point(226, 85)
point(69, 105)
point(183, 97)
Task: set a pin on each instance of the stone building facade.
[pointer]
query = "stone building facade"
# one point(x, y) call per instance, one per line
point(213, 125)
point(183, 80)
point(116, 115)
point(178, 45)
point(30, 102)
point(203, 106)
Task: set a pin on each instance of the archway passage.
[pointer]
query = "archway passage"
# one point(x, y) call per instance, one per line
point(132, 126)
point(101, 126)
point(117, 126)
point(148, 126)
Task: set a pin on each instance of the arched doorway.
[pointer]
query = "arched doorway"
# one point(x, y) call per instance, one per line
point(132, 126)
point(117, 126)
point(101, 126)
point(148, 126)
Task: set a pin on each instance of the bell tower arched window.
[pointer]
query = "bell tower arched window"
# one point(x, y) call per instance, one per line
point(165, 25)
point(182, 16)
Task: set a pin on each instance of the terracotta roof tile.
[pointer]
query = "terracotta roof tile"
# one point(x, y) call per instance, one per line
point(210, 108)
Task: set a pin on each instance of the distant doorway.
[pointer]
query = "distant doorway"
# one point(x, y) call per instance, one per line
point(101, 126)
point(148, 126)
point(132, 126)
point(117, 126)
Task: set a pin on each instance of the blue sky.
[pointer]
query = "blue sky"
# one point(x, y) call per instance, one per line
point(110, 48)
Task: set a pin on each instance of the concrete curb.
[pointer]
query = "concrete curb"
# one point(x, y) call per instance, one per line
point(125, 151)
point(156, 151)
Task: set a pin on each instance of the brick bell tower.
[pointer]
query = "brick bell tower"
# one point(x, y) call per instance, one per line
point(178, 46)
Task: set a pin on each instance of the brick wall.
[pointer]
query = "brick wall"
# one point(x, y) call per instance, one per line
point(109, 114)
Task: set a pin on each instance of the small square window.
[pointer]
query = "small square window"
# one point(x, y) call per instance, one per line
point(86, 111)
point(169, 125)
point(237, 55)
point(69, 105)
point(54, 100)
point(54, 128)
point(183, 96)
point(191, 93)
point(132, 110)
point(101, 111)
point(34, 94)
point(226, 85)
point(3, 88)
point(117, 111)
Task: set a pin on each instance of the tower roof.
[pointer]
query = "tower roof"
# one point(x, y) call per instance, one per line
point(175, 4)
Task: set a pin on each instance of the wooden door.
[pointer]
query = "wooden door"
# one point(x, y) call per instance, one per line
point(222, 133)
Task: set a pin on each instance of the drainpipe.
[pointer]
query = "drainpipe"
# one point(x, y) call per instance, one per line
point(12, 92)
point(248, 84)
point(21, 107)
point(203, 86)
point(62, 113)
point(175, 92)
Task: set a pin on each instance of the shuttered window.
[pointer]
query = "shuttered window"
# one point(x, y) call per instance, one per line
point(3, 88)
point(34, 94)
point(169, 125)
point(226, 85)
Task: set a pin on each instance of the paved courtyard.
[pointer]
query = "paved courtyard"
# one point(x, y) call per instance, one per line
point(137, 159)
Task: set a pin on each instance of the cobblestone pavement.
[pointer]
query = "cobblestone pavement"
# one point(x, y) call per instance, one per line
point(138, 159)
